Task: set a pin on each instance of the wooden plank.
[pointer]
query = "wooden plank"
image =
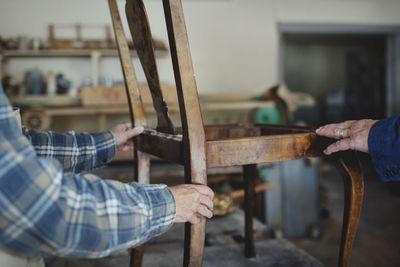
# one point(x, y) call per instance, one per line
point(168, 147)
point(132, 88)
point(192, 122)
point(141, 36)
point(71, 53)
point(263, 149)
point(217, 132)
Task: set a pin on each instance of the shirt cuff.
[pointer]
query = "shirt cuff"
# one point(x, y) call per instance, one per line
point(383, 141)
point(106, 148)
point(162, 207)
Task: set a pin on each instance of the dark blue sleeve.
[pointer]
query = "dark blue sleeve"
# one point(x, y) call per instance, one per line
point(384, 147)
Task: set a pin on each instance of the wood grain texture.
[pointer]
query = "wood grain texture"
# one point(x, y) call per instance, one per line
point(349, 166)
point(250, 174)
point(192, 122)
point(260, 149)
point(136, 109)
point(141, 36)
point(142, 176)
point(162, 147)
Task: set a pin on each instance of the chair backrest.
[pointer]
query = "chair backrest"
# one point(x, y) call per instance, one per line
point(191, 119)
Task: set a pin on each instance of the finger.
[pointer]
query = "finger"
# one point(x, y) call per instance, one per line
point(332, 130)
point(204, 190)
point(342, 132)
point(194, 219)
point(342, 145)
point(134, 132)
point(127, 148)
point(345, 124)
point(204, 211)
point(328, 130)
point(207, 201)
point(127, 125)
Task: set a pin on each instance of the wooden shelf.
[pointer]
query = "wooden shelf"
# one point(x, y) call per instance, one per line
point(70, 53)
point(94, 55)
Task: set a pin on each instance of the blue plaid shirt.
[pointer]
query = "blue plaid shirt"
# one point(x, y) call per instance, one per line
point(47, 209)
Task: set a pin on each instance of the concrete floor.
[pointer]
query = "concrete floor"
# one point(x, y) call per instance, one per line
point(224, 247)
point(378, 238)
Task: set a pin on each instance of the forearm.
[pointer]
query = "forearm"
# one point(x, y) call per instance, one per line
point(45, 213)
point(75, 152)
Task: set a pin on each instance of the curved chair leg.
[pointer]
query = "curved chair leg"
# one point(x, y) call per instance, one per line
point(142, 175)
point(249, 175)
point(349, 166)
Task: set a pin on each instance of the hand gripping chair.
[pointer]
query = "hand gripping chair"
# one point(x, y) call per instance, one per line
point(198, 147)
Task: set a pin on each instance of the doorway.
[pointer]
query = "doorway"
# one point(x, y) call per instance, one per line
point(349, 70)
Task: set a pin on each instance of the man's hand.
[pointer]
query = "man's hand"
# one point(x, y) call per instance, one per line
point(352, 134)
point(192, 201)
point(123, 134)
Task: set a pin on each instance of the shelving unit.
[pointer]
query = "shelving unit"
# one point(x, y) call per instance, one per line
point(95, 57)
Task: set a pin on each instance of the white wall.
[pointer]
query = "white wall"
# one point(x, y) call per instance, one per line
point(234, 43)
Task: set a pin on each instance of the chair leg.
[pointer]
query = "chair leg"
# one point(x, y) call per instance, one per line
point(136, 256)
point(250, 174)
point(349, 166)
point(194, 244)
point(142, 175)
point(195, 235)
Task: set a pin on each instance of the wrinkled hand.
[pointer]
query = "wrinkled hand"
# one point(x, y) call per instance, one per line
point(352, 134)
point(123, 134)
point(192, 202)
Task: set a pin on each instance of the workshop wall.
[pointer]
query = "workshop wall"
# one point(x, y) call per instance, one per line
point(234, 43)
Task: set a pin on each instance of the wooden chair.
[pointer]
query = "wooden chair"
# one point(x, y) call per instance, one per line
point(197, 147)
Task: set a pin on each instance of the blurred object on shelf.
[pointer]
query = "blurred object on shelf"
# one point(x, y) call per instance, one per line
point(106, 81)
point(11, 88)
point(287, 101)
point(96, 96)
point(293, 100)
point(51, 83)
point(8, 44)
point(33, 119)
point(78, 42)
point(115, 95)
point(34, 82)
point(223, 205)
point(36, 44)
point(63, 85)
point(23, 42)
point(269, 115)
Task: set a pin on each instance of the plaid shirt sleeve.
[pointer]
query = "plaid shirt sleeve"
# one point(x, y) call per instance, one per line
point(45, 212)
point(75, 152)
